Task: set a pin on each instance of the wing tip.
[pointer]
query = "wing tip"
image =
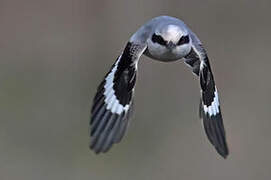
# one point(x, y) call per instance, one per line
point(224, 153)
point(215, 132)
point(99, 150)
point(112, 132)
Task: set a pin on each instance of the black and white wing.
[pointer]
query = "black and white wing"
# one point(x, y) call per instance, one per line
point(209, 109)
point(113, 101)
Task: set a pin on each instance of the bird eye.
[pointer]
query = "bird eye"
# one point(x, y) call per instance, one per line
point(157, 38)
point(183, 40)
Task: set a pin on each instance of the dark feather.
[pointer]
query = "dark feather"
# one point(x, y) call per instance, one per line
point(215, 132)
point(213, 124)
point(193, 61)
point(108, 127)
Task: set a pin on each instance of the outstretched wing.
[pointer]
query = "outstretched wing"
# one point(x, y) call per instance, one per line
point(209, 109)
point(113, 101)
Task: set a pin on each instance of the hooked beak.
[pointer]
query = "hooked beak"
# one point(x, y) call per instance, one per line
point(171, 45)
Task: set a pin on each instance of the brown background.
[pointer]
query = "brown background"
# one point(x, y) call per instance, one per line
point(53, 54)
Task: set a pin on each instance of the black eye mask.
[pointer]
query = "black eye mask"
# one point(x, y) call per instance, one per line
point(158, 39)
point(183, 40)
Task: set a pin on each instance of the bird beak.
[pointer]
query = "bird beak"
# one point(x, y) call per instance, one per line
point(171, 45)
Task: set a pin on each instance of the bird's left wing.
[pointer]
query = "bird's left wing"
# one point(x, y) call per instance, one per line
point(113, 101)
point(209, 109)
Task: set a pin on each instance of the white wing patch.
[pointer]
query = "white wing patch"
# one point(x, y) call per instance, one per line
point(213, 109)
point(110, 98)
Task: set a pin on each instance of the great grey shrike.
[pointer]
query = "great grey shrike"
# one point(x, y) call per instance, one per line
point(164, 39)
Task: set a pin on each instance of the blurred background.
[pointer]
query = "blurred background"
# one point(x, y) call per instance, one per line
point(53, 54)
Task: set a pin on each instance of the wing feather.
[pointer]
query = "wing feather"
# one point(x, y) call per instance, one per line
point(112, 104)
point(209, 109)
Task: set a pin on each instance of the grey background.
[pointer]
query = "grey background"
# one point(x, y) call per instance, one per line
point(53, 54)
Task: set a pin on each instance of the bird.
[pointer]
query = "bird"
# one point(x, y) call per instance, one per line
point(166, 39)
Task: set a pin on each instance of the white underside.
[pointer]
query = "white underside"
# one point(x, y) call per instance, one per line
point(111, 100)
point(213, 109)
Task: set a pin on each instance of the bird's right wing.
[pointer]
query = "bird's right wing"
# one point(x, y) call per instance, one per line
point(113, 102)
point(209, 109)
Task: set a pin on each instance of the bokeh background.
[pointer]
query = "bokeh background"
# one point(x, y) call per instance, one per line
point(53, 54)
